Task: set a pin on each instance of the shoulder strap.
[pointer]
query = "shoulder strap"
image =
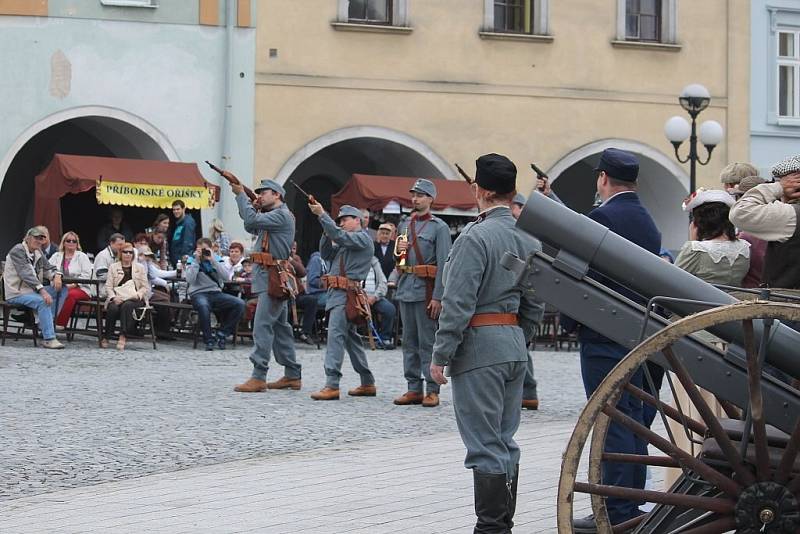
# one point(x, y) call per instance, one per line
point(342, 272)
point(265, 242)
point(417, 252)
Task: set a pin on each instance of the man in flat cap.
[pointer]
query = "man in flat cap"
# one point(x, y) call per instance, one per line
point(419, 292)
point(771, 212)
point(484, 328)
point(347, 247)
point(274, 224)
point(623, 213)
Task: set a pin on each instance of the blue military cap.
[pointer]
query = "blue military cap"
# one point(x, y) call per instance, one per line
point(619, 164)
point(271, 184)
point(425, 187)
point(348, 210)
point(520, 199)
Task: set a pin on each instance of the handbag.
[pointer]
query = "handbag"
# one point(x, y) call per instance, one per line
point(126, 291)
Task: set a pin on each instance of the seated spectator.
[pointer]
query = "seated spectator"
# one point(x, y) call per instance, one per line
point(126, 290)
point(141, 242)
point(48, 248)
point(115, 225)
point(25, 271)
point(158, 244)
point(161, 224)
point(205, 277)
point(233, 262)
point(219, 237)
point(384, 248)
point(107, 256)
point(297, 262)
point(74, 263)
point(376, 287)
point(159, 292)
point(714, 253)
point(313, 298)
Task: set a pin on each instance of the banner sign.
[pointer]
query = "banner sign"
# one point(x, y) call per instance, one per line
point(153, 196)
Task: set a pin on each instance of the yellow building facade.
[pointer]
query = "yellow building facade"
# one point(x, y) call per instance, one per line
point(413, 86)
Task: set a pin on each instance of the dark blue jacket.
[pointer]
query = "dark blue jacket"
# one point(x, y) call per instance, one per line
point(182, 241)
point(624, 215)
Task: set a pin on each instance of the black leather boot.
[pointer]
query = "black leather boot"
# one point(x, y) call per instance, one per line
point(492, 497)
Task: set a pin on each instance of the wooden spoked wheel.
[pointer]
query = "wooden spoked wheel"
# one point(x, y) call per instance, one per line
point(750, 493)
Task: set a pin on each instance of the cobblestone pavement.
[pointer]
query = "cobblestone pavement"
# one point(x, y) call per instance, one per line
point(84, 416)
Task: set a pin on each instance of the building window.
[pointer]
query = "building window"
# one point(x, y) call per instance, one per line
point(789, 74)
point(370, 12)
point(647, 21)
point(516, 17)
point(643, 20)
point(513, 16)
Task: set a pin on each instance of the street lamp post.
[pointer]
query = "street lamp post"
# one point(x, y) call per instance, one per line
point(694, 99)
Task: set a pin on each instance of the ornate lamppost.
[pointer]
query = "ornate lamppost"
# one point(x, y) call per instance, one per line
point(694, 99)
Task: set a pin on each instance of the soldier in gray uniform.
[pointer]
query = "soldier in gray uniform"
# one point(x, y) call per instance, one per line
point(271, 328)
point(484, 328)
point(530, 398)
point(348, 249)
point(419, 292)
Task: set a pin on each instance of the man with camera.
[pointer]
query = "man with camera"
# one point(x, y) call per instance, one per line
point(205, 276)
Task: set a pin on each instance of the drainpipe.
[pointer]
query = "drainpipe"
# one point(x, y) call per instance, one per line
point(226, 159)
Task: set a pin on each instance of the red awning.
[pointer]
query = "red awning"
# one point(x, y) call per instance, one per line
point(374, 192)
point(76, 174)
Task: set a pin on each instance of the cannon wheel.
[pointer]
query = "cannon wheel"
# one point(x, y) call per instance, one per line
point(733, 501)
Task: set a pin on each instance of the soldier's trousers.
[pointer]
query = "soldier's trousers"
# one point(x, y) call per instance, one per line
point(342, 336)
point(487, 403)
point(419, 332)
point(529, 385)
point(272, 332)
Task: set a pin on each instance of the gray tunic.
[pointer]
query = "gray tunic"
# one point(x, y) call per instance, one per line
point(475, 282)
point(355, 249)
point(279, 222)
point(433, 239)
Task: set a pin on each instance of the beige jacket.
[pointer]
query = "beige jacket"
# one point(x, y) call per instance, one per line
point(116, 274)
point(761, 213)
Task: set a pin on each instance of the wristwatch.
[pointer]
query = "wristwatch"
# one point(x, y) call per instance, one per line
point(39, 287)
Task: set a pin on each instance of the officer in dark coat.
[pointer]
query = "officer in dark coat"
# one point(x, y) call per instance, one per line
point(623, 213)
point(484, 328)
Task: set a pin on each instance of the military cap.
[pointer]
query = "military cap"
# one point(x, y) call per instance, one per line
point(348, 211)
point(786, 167)
point(497, 173)
point(619, 164)
point(424, 186)
point(520, 199)
point(271, 184)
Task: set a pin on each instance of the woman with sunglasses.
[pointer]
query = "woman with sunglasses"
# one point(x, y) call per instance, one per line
point(74, 263)
point(126, 288)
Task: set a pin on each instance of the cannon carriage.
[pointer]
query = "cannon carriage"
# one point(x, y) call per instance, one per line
point(742, 472)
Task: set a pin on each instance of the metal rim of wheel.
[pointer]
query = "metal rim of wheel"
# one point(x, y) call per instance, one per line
point(733, 500)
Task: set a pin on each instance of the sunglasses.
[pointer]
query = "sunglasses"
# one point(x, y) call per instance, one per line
point(39, 237)
point(127, 252)
point(70, 241)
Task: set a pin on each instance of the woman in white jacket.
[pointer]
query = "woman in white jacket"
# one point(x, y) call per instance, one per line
point(74, 263)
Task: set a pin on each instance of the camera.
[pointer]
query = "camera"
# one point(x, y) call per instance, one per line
point(206, 253)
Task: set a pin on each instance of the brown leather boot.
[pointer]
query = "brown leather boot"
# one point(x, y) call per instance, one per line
point(409, 397)
point(326, 393)
point(285, 382)
point(530, 404)
point(253, 385)
point(364, 391)
point(431, 400)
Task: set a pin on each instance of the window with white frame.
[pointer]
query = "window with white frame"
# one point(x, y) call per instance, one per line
point(647, 21)
point(373, 12)
point(516, 16)
point(788, 75)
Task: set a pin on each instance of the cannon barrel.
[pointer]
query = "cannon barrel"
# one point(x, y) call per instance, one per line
point(643, 272)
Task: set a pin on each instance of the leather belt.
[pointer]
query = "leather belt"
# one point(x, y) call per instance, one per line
point(422, 271)
point(493, 319)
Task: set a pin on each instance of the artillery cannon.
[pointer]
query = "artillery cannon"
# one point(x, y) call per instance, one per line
point(745, 475)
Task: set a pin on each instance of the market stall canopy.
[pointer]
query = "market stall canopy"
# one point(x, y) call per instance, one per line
point(125, 182)
point(375, 192)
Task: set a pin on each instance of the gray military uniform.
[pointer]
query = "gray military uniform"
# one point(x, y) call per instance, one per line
point(487, 364)
point(354, 250)
point(433, 240)
point(271, 328)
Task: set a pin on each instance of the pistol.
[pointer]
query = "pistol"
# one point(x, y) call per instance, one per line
point(464, 175)
point(309, 198)
point(540, 174)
